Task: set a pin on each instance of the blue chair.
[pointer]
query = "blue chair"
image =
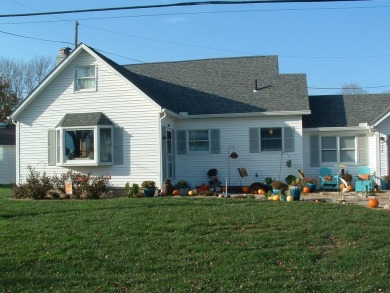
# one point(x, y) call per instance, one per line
point(364, 180)
point(327, 180)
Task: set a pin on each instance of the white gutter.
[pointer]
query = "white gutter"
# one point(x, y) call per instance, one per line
point(160, 156)
point(329, 129)
point(185, 115)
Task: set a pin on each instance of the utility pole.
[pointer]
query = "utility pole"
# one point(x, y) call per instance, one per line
point(76, 34)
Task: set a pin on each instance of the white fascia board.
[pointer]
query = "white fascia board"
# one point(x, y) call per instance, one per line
point(334, 129)
point(251, 114)
point(381, 119)
point(55, 72)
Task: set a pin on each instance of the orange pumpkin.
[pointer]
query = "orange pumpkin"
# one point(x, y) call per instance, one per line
point(176, 192)
point(306, 189)
point(203, 188)
point(245, 189)
point(261, 191)
point(350, 188)
point(373, 203)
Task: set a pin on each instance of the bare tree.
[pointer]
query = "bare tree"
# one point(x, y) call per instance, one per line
point(23, 76)
point(352, 88)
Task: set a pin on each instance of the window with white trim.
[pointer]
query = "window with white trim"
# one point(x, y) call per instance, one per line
point(198, 141)
point(338, 149)
point(85, 78)
point(271, 139)
point(85, 146)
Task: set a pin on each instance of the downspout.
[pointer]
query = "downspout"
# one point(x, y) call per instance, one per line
point(377, 173)
point(160, 147)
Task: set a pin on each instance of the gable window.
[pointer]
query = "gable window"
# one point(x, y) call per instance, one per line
point(338, 149)
point(85, 139)
point(271, 139)
point(85, 78)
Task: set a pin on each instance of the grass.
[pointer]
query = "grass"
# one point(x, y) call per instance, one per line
point(191, 244)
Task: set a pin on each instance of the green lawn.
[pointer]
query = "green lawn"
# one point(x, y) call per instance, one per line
point(191, 244)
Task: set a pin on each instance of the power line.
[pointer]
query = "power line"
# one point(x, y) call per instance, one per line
point(198, 12)
point(32, 38)
point(182, 4)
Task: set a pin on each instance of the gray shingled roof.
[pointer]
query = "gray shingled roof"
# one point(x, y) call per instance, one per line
point(219, 86)
point(346, 110)
point(7, 135)
point(84, 119)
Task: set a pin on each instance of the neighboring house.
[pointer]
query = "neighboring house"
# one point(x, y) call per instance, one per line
point(7, 154)
point(176, 120)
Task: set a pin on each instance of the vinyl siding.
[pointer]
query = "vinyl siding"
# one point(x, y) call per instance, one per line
point(118, 100)
point(193, 167)
point(314, 171)
point(7, 164)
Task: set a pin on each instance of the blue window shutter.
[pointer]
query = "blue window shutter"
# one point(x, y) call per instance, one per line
point(314, 151)
point(215, 141)
point(254, 140)
point(181, 142)
point(51, 147)
point(362, 150)
point(288, 139)
point(118, 146)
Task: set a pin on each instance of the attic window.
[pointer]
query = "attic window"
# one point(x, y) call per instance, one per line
point(85, 78)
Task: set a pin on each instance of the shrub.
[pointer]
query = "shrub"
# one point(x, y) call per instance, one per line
point(36, 186)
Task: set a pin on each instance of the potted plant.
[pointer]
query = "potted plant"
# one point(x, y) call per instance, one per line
point(183, 185)
point(295, 187)
point(149, 188)
point(385, 182)
point(311, 183)
point(348, 178)
point(278, 187)
point(214, 181)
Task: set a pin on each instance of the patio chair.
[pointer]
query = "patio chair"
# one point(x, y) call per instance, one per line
point(364, 179)
point(327, 180)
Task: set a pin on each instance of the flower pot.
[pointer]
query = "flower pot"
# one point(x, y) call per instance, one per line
point(385, 184)
point(276, 191)
point(312, 186)
point(295, 191)
point(149, 192)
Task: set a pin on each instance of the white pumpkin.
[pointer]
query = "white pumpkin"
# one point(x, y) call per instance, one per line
point(290, 198)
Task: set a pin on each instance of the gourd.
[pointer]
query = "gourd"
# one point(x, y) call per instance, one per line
point(275, 197)
point(290, 198)
point(261, 191)
point(306, 189)
point(373, 203)
point(176, 192)
point(193, 192)
point(245, 189)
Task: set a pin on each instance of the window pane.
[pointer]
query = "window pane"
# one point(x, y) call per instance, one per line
point(271, 139)
point(105, 145)
point(198, 135)
point(85, 71)
point(347, 156)
point(199, 146)
point(198, 140)
point(347, 142)
point(329, 156)
point(271, 145)
point(271, 133)
point(87, 83)
point(329, 142)
point(79, 144)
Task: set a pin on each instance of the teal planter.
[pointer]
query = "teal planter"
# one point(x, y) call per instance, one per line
point(385, 184)
point(149, 192)
point(311, 186)
point(276, 191)
point(295, 191)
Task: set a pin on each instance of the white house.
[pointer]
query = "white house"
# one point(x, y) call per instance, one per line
point(179, 119)
point(7, 154)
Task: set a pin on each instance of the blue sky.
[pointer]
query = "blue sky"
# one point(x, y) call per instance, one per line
point(332, 43)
